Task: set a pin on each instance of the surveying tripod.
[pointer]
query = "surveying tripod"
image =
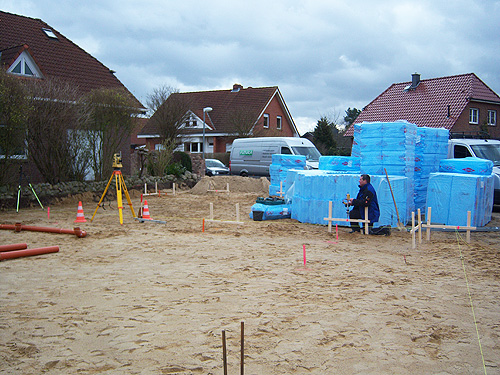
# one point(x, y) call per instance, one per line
point(120, 184)
point(21, 175)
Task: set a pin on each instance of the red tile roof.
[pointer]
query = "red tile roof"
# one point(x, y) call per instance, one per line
point(224, 103)
point(427, 104)
point(59, 57)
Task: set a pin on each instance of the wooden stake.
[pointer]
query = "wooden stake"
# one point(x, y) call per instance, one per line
point(413, 242)
point(224, 357)
point(330, 204)
point(419, 227)
point(365, 221)
point(428, 230)
point(242, 363)
point(468, 226)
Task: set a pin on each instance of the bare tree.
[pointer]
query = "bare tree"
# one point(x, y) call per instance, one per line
point(159, 160)
point(13, 121)
point(110, 121)
point(243, 122)
point(53, 131)
point(171, 110)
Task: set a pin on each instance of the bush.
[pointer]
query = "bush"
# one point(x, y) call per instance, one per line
point(175, 169)
point(184, 159)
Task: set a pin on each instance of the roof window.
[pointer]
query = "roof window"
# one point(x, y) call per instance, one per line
point(49, 33)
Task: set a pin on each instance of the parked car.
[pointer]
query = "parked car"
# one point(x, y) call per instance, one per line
point(214, 167)
point(479, 148)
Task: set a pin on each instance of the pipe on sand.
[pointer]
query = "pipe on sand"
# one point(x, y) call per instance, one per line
point(28, 252)
point(19, 227)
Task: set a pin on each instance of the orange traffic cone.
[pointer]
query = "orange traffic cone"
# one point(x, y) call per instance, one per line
point(145, 211)
point(80, 218)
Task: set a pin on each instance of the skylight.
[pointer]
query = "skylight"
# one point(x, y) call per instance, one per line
point(49, 33)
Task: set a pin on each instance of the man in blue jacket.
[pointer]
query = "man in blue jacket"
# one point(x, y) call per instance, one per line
point(366, 197)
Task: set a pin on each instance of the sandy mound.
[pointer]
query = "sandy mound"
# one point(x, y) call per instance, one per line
point(237, 184)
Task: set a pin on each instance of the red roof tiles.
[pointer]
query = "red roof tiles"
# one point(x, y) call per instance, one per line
point(224, 104)
point(428, 103)
point(59, 57)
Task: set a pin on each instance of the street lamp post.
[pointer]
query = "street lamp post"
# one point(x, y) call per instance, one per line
point(205, 110)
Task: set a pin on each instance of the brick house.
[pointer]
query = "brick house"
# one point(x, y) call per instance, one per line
point(463, 104)
point(31, 49)
point(263, 108)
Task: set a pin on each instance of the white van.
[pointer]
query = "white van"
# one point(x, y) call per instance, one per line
point(253, 156)
point(479, 148)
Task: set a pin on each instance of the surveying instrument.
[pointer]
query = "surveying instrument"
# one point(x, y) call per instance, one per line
point(21, 175)
point(120, 184)
point(346, 203)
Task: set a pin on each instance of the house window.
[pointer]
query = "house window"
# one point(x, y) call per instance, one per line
point(474, 116)
point(24, 65)
point(278, 122)
point(266, 120)
point(492, 117)
point(50, 33)
point(193, 147)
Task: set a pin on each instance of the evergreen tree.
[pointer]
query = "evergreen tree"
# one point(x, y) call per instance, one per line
point(351, 115)
point(323, 136)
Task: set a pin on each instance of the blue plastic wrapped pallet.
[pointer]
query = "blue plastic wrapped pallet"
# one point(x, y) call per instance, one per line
point(430, 148)
point(451, 195)
point(349, 164)
point(467, 166)
point(314, 189)
point(260, 211)
point(278, 170)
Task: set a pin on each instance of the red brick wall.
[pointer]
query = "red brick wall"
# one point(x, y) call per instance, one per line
point(462, 124)
point(273, 110)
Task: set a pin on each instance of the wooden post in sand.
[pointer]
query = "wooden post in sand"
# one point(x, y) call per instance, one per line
point(428, 226)
point(224, 355)
point(365, 221)
point(242, 362)
point(211, 217)
point(211, 187)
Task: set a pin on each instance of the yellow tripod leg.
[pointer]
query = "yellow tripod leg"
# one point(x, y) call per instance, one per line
point(125, 190)
point(119, 195)
point(102, 197)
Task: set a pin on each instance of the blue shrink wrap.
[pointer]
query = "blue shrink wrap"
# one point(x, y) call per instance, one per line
point(271, 212)
point(340, 163)
point(451, 195)
point(467, 166)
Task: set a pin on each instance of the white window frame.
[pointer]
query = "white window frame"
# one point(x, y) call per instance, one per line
point(265, 125)
point(279, 122)
point(25, 60)
point(199, 146)
point(492, 117)
point(474, 116)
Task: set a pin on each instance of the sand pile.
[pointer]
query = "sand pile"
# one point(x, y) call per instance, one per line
point(237, 184)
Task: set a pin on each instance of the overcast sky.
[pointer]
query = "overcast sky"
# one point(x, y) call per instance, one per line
point(324, 55)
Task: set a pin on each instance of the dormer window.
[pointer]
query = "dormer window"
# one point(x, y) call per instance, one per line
point(191, 122)
point(50, 33)
point(24, 65)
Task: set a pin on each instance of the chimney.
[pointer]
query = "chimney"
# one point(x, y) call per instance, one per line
point(236, 87)
point(415, 80)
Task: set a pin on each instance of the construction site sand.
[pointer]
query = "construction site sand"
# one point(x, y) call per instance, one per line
point(149, 298)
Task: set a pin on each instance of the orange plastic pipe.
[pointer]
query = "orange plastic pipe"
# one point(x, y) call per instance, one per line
point(19, 227)
point(28, 252)
point(16, 246)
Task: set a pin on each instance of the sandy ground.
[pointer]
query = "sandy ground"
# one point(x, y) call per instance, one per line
point(148, 298)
